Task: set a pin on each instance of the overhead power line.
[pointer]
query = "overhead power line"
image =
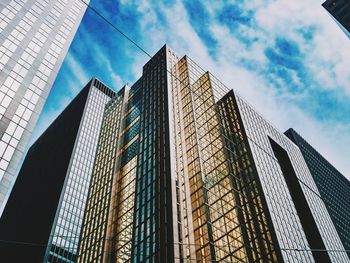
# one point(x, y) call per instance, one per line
point(181, 244)
point(115, 27)
point(171, 73)
point(106, 20)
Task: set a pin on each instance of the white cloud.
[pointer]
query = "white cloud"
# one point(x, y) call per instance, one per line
point(99, 57)
point(78, 71)
point(107, 64)
point(275, 18)
point(329, 46)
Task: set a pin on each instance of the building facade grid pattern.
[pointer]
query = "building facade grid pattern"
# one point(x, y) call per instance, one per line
point(258, 230)
point(280, 204)
point(34, 38)
point(95, 237)
point(184, 180)
point(214, 212)
point(65, 234)
point(334, 188)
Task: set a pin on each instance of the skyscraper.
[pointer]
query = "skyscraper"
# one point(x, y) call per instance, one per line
point(47, 203)
point(34, 39)
point(303, 227)
point(340, 10)
point(187, 171)
point(333, 187)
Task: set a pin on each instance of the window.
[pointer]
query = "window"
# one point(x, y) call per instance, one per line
point(303, 209)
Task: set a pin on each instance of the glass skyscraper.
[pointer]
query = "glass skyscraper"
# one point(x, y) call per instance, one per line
point(52, 186)
point(333, 187)
point(187, 171)
point(302, 224)
point(34, 39)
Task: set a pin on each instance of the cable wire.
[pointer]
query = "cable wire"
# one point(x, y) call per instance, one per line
point(184, 244)
point(115, 27)
point(148, 54)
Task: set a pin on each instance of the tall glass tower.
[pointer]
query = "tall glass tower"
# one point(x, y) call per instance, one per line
point(34, 39)
point(52, 186)
point(304, 229)
point(334, 187)
point(187, 171)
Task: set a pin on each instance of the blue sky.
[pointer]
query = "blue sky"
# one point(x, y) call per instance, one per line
point(288, 59)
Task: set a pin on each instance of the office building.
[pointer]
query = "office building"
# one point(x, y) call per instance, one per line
point(340, 11)
point(187, 171)
point(303, 227)
point(46, 205)
point(333, 187)
point(34, 39)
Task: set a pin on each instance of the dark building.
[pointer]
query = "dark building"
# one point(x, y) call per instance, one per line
point(44, 211)
point(333, 187)
point(187, 171)
point(340, 10)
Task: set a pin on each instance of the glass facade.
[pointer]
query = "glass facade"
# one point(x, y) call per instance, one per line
point(63, 242)
point(188, 174)
point(204, 170)
point(288, 225)
point(259, 231)
point(138, 222)
point(153, 222)
point(34, 38)
point(334, 188)
point(37, 190)
point(101, 203)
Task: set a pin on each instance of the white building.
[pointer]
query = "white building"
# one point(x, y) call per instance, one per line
point(34, 39)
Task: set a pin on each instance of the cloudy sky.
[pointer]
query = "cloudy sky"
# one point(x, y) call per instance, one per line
point(289, 59)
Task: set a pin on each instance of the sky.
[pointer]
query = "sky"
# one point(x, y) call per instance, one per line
point(288, 59)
